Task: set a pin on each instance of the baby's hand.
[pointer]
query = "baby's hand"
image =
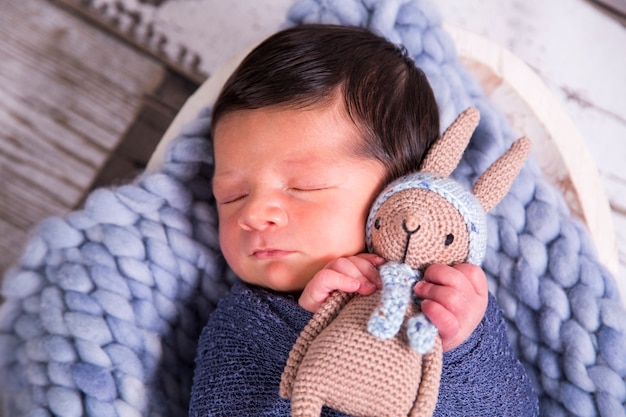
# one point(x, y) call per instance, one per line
point(356, 273)
point(455, 300)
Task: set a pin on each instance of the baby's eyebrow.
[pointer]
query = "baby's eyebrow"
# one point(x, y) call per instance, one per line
point(305, 159)
point(225, 171)
point(315, 161)
point(224, 177)
point(217, 177)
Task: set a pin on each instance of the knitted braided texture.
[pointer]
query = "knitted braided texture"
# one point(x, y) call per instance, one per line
point(565, 318)
point(102, 315)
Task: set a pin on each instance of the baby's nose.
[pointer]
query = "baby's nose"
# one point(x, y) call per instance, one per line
point(262, 213)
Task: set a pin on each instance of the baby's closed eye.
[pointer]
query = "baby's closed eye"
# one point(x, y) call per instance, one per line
point(230, 198)
point(308, 188)
point(226, 193)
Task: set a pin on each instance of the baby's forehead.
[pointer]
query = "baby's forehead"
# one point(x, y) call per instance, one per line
point(325, 118)
point(294, 136)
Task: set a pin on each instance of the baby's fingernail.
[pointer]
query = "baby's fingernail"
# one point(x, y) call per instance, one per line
point(369, 285)
point(377, 261)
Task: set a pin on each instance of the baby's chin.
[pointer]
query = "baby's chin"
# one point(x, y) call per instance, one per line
point(281, 277)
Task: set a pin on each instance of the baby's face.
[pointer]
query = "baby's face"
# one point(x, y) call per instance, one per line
point(291, 194)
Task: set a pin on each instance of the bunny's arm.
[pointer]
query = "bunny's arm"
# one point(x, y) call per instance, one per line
point(320, 320)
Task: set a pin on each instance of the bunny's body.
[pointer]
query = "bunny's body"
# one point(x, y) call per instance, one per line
point(347, 376)
point(378, 355)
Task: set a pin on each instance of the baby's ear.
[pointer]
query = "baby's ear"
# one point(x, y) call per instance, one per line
point(446, 153)
point(495, 182)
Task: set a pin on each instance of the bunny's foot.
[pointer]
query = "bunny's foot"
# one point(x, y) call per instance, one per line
point(421, 333)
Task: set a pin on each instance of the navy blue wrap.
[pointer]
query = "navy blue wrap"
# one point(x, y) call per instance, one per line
point(245, 344)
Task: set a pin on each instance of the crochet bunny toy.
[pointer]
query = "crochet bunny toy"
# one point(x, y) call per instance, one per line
point(378, 355)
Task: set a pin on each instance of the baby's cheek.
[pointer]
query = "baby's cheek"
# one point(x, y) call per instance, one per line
point(228, 245)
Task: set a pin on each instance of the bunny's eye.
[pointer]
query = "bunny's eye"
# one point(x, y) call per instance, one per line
point(377, 223)
point(449, 239)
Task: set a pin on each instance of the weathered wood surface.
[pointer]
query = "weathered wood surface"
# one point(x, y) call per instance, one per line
point(68, 92)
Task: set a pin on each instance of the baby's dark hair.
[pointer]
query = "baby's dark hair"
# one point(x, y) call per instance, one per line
point(387, 97)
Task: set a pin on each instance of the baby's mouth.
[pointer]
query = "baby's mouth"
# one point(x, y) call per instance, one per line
point(266, 254)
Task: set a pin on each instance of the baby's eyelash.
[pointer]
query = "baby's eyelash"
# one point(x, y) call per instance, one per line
point(304, 189)
point(230, 199)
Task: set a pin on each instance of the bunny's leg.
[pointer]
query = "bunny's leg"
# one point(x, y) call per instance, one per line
point(428, 391)
point(305, 403)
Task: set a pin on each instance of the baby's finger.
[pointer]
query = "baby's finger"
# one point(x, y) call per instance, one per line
point(448, 297)
point(357, 267)
point(326, 281)
point(443, 275)
point(475, 275)
point(367, 265)
point(372, 258)
point(447, 323)
point(447, 276)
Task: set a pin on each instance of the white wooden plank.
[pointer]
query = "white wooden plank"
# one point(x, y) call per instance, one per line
point(68, 93)
point(583, 68)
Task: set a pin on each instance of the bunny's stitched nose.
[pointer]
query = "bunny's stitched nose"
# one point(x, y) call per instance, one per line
point(410, 225)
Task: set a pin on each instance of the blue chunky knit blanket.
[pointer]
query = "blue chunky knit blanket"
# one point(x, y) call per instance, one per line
point(103, 311)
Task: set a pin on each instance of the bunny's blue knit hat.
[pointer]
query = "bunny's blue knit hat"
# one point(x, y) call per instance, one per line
point(464, 201)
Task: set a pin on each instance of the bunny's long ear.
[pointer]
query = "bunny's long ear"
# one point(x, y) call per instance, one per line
point(446, 153)
point(494, 183)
